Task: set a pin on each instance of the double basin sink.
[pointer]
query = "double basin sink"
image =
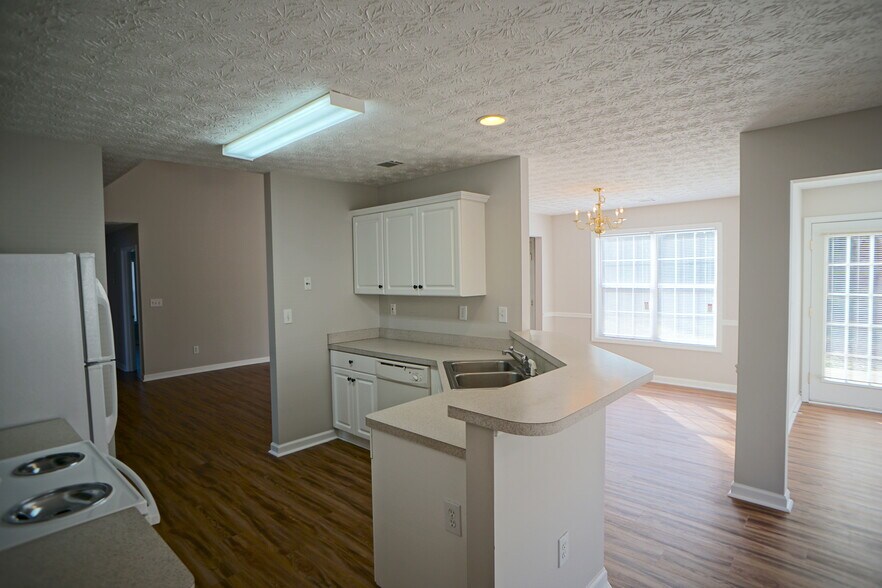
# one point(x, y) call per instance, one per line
point(490, 373)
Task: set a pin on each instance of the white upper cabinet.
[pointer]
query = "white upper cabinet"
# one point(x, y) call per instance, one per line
point(428, 247)
point(439, 249)
point(401, 249)
point(367, 246)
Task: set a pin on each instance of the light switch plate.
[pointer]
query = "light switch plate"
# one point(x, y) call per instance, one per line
point(307, 283)
point(393, 309)
point(463, 313)
point(503, 314)
point(155, 302)
point(287, 316)
point(563, 550)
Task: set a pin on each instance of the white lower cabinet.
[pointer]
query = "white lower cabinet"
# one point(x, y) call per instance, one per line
point(354, 396)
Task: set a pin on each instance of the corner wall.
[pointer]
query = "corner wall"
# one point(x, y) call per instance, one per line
point(770, 160)
point(202, 250)
point(51, 198)
point(507, 223)
point(309, 233)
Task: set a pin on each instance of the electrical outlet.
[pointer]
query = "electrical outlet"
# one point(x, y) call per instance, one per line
point(503, 314)
point(307, 283)
point(393, 309)
point(155, 302)
point(287, 316)
point(463, 313)
point(195, 350)
point(453, 518)
point(563, 549)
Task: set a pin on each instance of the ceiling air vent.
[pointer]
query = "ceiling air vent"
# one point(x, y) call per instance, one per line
point(390, 163)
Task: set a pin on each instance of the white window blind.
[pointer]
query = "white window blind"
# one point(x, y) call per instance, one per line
point(658, 286)
point(853, 321)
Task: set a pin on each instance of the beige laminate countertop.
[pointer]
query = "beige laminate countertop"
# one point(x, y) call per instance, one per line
point(590, 378)
point(121, 549)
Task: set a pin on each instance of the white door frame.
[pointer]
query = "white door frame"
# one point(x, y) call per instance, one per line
point(798, 270)
point(128, 303)
point(536, 309)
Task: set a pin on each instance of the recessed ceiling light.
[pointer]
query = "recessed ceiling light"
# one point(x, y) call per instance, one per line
point(491, 120)
point(327, 111)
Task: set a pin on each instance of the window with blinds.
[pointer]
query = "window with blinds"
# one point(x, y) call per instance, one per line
point(658, 287)
point(853, 321)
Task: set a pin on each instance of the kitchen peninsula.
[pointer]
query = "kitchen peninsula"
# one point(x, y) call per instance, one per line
point(495, 486)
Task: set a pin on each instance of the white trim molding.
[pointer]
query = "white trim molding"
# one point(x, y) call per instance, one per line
point(699, 384)
point(745, 493)
point(729, 323)
point(601, 580)
point(580, 315)
point(280, 450)
point(204, 368)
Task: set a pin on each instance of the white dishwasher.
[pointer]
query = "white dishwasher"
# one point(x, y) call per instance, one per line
point(398, 383)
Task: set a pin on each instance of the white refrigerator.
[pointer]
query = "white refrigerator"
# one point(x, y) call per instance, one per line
point(56, 345)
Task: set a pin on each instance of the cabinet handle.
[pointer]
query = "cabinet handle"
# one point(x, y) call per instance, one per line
point(351, 361)
point(381, 286)
point(414, 286)
point(421, 286)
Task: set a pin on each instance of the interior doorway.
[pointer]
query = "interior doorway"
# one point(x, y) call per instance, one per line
point(124, 287)
point(536, 283)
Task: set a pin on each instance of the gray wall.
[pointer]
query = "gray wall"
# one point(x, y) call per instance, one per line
point(51, 197)
point(770, 159)
point(309, 234)
point(507, 220)
point(202, 249)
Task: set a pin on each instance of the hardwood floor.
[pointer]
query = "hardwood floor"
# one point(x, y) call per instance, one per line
point(238, 516)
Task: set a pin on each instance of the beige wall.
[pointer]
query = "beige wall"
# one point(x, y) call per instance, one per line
point(770, 160)
point(507, 220)
point(848, 199)
point(309, 234)
point(572, 287)
point(51, 197)
point(202, 250)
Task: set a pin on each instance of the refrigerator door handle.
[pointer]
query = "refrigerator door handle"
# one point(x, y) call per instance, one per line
point(150, 511)
point(105, 324)
point(110, 396)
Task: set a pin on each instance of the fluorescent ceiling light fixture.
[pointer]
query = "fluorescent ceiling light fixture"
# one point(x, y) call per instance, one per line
point(327, 111)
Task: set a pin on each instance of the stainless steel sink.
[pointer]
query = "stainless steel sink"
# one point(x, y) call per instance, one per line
point(487, 379)
point(480, 365)
point(485, 373)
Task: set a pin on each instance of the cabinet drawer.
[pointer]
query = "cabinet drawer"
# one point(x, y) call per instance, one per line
point(350, 361)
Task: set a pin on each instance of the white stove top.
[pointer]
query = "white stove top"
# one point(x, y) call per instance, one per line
point(93, 468)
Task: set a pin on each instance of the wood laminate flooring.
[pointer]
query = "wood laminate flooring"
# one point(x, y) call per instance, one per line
point(237, 516)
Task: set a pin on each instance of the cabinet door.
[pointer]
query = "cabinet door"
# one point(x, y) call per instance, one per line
point(367, 253)
point(341, 395)
point(365, 403)
point(401, 248)
point(439, 249)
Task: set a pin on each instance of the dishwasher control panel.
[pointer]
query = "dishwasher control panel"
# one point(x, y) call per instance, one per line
point(415, 375)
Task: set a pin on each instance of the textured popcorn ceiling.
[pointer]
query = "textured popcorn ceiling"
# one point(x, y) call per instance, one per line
point(644, 98)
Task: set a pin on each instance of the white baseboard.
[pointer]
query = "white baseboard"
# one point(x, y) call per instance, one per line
point(686, 383)
point(354, 439)
point(204, 368)
point(601, 580)
point(794, 410)
point(302, 443)
point(781, 502)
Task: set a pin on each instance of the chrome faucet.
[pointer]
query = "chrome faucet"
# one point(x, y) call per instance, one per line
point(520, 358)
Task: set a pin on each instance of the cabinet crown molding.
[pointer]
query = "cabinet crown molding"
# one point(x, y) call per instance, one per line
point(461, 195)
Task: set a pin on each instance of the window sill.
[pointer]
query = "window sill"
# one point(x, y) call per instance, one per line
point(659, 344)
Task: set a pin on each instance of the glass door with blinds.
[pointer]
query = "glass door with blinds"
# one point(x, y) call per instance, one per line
point(845, 364)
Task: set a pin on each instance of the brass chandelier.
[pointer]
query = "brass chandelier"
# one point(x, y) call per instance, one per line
point(596, 220)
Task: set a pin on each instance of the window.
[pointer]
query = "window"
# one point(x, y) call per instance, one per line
point(853, 318)
point(657, 287)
